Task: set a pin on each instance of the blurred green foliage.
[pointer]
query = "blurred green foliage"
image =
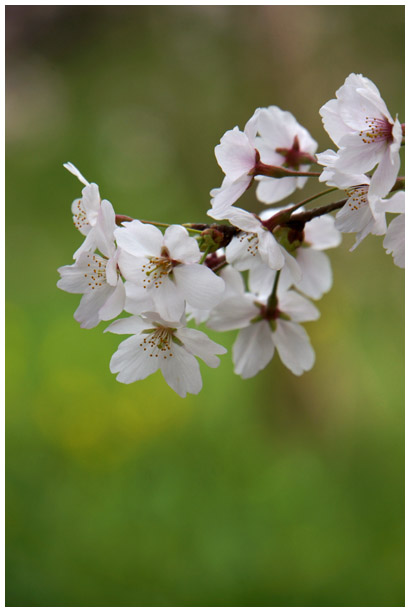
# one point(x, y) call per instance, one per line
point(277, 491)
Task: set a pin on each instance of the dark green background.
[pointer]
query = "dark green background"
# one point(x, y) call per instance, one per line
point(276, 491)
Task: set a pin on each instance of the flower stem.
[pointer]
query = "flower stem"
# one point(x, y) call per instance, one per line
point(272, 301)
point(205, 254)
point(284, 216)
point(279, 171)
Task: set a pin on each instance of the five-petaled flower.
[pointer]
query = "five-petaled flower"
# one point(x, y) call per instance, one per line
point(168, 346)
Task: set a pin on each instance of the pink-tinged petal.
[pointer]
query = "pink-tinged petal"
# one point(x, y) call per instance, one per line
point(233, 313)
point(372, 104)
point(181, 371)
point(394, 241)
point(235, 155)
point(71, 168)
point(87, 314)
point(270, 251)
point(127, 325)
point(293, 345)
point(201, 287)
point(297, 307)
point(317, 275)
point(223, 197)
point(355, 156)
point(114, 304)
point(251, 127)
point(169, 300)
point(277, 127)
point(384, 176)
point(137, 299)
point(321, 233)
point(271, 190)
point(268, 153)
point(131, 361)
point(180, 246)
point(253, 349)
point(140, 239)
point(332, 121)
point(198, 343)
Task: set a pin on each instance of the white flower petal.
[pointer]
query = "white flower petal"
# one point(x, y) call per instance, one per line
point(198, 343)
point(293, 346)
point(104, 229)
point(253, 349)
point(385, 175)
point(270, 251)
point(71, 168)
point(236, 155)
point(169, 300)
point(316, 273)
point(139, 239)
point(87, 314)
point(114, 304)
point(137, 299)
point(127, 325)
point(321, 233)
point(201, 287)
point(180, 246)
point(394, 241)
point(223, 197)
point(233, 313)
point(297, 307)
point(271, 190)
point(181, 372)
point(131, 362)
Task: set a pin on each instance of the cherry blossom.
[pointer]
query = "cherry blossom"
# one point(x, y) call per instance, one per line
point(237, 156)
point(263, 327)
point(282, 141)
point(91, 216)
point(359, 123)
point(98, 279)
point(166, 266)
point(168, 346)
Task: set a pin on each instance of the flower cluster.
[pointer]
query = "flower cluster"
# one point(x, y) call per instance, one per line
point(255, 273)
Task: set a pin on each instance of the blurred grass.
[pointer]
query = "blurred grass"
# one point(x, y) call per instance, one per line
point(268, 492)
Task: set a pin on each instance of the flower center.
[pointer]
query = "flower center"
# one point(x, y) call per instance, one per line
point(157, 268)
point(378, 129)
point(357, 197)
point(97, 271)
point(252, 240)
point(295, 157)
point(79, 216)
point(158, 342)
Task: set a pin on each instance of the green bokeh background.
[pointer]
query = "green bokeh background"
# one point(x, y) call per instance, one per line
point(276, 491)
